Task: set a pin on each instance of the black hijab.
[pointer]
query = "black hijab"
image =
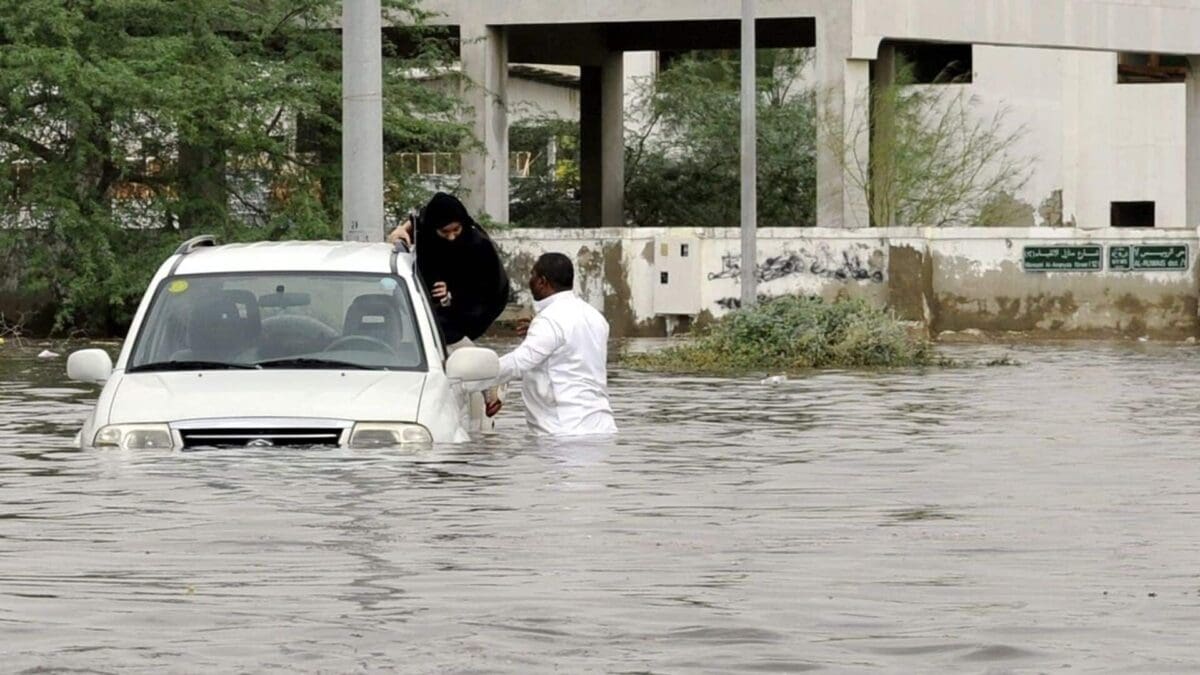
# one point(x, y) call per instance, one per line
point(470, 266)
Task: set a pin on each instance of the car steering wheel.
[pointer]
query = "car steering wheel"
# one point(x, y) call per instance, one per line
point(367, 342)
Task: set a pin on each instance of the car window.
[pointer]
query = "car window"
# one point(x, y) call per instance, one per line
point(294, 320)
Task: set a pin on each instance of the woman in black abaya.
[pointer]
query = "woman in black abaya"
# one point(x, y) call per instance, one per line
point(461, 267)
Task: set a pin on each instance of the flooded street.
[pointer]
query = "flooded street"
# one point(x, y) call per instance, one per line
point(1009, 519)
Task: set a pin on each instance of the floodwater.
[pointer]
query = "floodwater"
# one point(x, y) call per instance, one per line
point(981, 520)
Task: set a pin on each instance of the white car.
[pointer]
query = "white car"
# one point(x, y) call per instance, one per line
point(273, 344)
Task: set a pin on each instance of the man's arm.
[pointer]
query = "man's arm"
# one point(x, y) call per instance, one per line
point(540, 342)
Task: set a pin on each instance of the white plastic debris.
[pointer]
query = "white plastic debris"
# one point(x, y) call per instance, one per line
point(1143, 339)
point(47, 354)
point(778, 379)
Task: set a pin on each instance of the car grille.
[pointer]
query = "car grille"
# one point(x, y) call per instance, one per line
point(260, 438)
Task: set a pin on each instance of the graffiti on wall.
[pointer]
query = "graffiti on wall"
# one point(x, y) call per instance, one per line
point(858, 263)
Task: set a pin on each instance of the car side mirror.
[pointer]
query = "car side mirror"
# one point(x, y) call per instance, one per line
point(90, 365)
point(472, 366)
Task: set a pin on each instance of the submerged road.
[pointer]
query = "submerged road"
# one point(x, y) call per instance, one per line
point(1011, 519)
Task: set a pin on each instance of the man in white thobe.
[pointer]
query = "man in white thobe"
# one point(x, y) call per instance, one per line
point(563, 362)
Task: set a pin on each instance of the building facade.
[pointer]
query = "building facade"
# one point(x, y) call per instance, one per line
point(1109, 151)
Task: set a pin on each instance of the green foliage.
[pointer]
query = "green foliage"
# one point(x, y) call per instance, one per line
point(793, 334)
point(122, 121)
point(546, 198)
point(683, 159)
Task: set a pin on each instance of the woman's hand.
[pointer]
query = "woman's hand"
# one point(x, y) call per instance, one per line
point(402, 233)
point(441, 293)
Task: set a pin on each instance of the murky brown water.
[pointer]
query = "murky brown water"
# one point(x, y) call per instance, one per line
point(1026, 519)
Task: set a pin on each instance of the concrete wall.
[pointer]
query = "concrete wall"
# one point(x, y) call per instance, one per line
point(1003, 85)
point(1089, 137)
point(533, 99)
point(951, 279)
point(1122, 142)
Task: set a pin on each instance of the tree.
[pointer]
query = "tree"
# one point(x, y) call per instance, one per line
point(546, 197)
point(163, 114)
point(683, 165)
point(934, 160)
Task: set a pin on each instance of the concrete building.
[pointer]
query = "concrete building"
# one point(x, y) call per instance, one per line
point(1109, 91)
point(1098, 142)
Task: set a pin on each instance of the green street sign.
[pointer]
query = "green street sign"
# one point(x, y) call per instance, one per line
point(1172, 257)
point(1149, 258)
point(1120, 258)
point(1064, 258)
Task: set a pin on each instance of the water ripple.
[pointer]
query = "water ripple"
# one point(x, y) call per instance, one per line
point(1001, 519)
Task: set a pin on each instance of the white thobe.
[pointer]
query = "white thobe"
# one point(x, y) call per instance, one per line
point(563, 367)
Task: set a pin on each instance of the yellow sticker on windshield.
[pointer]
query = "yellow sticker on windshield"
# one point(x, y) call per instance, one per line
point(178, 286)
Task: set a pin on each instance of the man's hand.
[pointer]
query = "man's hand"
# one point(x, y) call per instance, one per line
point(492, 398)
point(523, 327)
point(402, 233)
point(441, 293)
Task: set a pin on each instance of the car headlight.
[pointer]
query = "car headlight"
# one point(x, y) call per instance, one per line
point(385, 435)
point(135, 437)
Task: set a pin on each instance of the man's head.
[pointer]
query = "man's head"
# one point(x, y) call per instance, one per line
point(552, 273)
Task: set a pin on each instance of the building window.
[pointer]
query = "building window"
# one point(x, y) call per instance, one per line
point(431, 163)
point(519, 164)
point(936, 63)
point(450, 164)
point(1151, 68)
point(1133, 214)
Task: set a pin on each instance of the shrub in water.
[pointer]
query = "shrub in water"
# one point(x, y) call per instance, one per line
point(794, 333)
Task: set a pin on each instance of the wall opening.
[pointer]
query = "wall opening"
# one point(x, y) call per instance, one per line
point(1134, 68)
point(1133, 214)
point(938, 63)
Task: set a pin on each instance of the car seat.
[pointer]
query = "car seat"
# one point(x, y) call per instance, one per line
point(375, 316)
point(217, 329)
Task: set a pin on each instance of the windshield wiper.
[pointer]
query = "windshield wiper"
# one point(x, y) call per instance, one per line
point(312, 363)
point(190, 365)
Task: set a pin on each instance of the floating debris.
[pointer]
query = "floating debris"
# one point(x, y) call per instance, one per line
point(778, 379)
point(47, 354)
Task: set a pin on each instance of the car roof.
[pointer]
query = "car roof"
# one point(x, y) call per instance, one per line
point(293, 256)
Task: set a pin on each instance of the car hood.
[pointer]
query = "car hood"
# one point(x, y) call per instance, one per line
point(375, 396)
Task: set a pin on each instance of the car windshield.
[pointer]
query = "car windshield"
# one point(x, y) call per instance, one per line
point(279, 320)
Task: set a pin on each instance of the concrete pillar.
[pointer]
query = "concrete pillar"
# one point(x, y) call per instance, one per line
point(856, 211)
point(1193, 144)
point(843, 106)
point(362, 122)
point(485, 167)
point(884, 72)
point(602, 142)
point(886, 66)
